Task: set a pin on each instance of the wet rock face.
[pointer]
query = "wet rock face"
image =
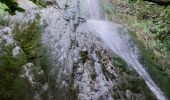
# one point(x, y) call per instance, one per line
point(75, 64)
point(82, 67)
point(80, 59)
point(6, 36)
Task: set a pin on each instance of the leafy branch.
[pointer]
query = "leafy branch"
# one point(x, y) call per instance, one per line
point(13, 6)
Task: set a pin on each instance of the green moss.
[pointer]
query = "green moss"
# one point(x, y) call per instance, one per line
point(137, 85)
point(84, 56)
point(117, 61)
point(133, 81)
point(156, 71)
point(158, 75)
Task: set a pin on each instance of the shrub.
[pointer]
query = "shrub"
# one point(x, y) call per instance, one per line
point(28, 37)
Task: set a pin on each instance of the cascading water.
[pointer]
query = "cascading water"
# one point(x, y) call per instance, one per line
point(75, 30)
point(119, 43)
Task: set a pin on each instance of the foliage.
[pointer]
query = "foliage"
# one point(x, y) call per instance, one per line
point(166, 35)
point(9, 71)
point(28, 37)
point(157, 19)
point(150, 23)
point(156, 72)
point(2, 7)
point(39, 2)
point(12, 6)
point(122, 64)
point(132, 1)
point(156, 33)
point(4, 18)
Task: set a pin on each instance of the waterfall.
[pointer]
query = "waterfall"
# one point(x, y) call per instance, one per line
point(118, 41)
point(74, 31)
